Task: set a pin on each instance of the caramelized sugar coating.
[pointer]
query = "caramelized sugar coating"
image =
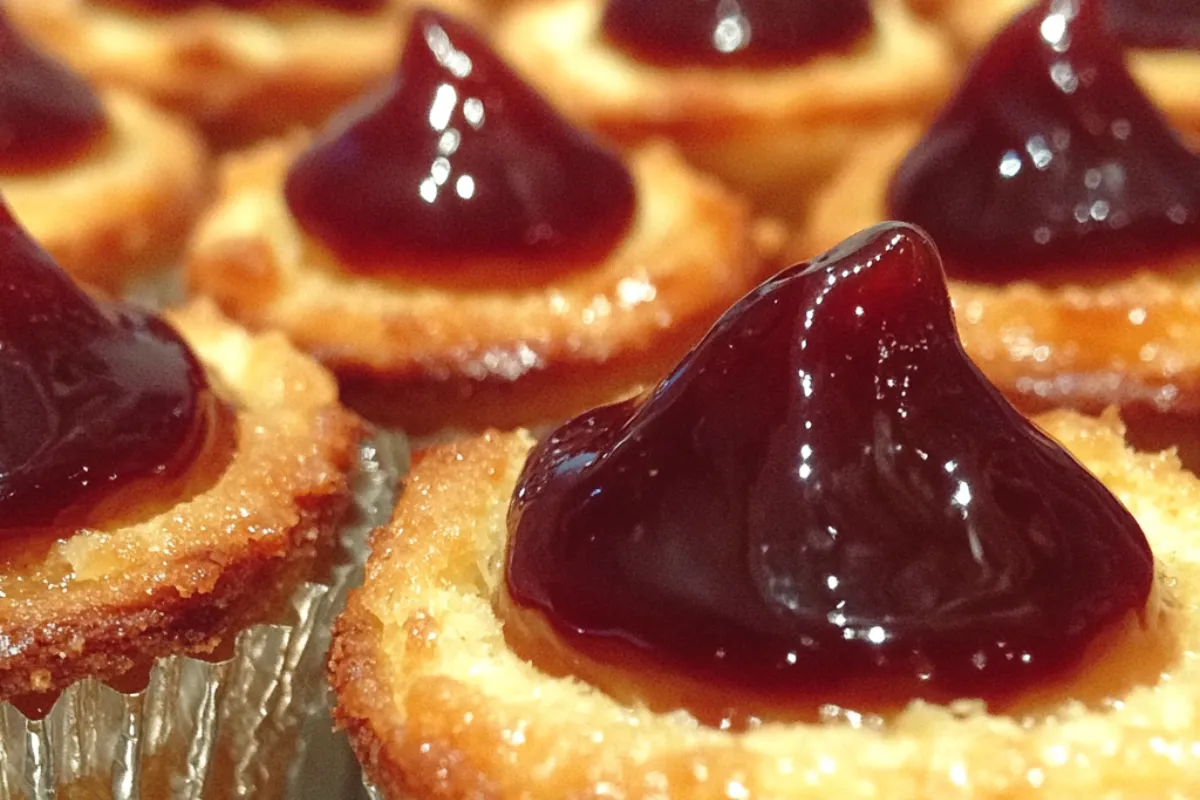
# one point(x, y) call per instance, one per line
point(1109, 338)
point(240, 75)
point(437, 705)
point(773, 132)
point(100, 601)
point(123, 207)
point(483, 345)
point(1169, 76)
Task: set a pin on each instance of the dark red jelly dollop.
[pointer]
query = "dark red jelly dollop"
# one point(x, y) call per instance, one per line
point(1050, 157)
point(735, 32)
point(94, 398)
point(48, 114)
point(459, 160)
point(1156, 24)
point(827, 494)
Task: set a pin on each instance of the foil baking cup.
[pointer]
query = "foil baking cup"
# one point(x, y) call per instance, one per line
point(200, 729)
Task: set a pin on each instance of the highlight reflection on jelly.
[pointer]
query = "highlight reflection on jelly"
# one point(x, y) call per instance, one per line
point(1050, 157)
point(882, 518)
point(459, 163)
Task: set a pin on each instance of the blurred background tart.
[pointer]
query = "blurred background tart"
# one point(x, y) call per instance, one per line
point(460, 256)
point(1068, 213)
point(105, 181)
point(1161, 37)
point(241, 69)
point(767, 94)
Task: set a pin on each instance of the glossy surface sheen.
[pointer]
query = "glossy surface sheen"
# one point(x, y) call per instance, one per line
point(93, 398)
point(459, 160)
point(735, 32)
point(827, 493)
point(1050, 156)
point(48, 114)
point(1166, 24)
point(167, 6)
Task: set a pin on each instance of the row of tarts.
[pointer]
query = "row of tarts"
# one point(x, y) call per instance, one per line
point(793, 544)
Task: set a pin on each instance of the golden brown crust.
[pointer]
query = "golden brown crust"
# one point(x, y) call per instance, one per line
point(102, 600)
point(123, 208)
point(1170, 77)
point(1133, 339)
point(773, 133)
point(461, 353)
point(239, 75)
point(437, 706)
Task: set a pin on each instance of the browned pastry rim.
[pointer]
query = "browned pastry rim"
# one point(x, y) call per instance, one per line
point(1128, 340)
point(123, 208)
point(470, 353)
point(239, 75)
point(104, 600)
point(774, 133)
point(438, 706)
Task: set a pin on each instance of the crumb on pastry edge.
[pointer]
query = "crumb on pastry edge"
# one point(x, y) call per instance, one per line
point(436, 705)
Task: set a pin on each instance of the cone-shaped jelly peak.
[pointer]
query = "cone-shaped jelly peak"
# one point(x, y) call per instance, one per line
point(827, 493)
point(1050, 157)
point(459, 162)
point(735, 32)
point(48, 114)
point(92, 397)
point(1165, 24)
point(169, 6)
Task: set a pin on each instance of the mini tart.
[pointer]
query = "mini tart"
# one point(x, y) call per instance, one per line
point(240, 75)
point(126, 205)
point(774, 133)
point(1168, 76)
point(437, 705)
point(1128, 339)
point(473, 350)
point(99, 602)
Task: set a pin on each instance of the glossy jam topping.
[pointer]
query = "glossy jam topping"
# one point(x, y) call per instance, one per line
point(1050, 156)
point(460, 160)
point(48, 114)
point(826, 495)
point(735, 32)
point(1167, 24)
point(94, 399)
point(168, 6)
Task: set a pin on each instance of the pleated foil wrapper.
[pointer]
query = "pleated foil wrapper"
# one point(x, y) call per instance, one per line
point(200, 729)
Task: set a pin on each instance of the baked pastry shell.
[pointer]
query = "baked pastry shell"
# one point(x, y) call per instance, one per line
point(239, 75)
point(125, 206)
point(292, 506)
point(489, 344)
point(437, 705)
point(773, 133)
point(1130, 339)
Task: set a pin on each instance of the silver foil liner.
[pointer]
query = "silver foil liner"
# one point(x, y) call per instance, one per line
point(200, 729)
